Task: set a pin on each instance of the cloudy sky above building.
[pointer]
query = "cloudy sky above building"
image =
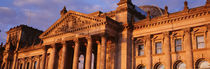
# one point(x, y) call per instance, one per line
point(41, 14)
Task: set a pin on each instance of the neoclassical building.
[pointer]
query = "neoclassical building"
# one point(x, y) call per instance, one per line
point(130, 37)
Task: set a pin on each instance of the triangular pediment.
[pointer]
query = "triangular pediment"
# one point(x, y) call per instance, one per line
point(69, 22)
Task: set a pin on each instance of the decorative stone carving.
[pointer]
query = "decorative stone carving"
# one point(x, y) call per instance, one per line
point(70, 23)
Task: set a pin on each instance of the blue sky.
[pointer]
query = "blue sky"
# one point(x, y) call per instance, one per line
point(41, 14)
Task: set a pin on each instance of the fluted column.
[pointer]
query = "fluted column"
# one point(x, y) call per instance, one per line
point(98, 54)
point(167, 48)
point(76, 54)
point(148, 52)
point(52, 57)
point(188, 45)
point(88, 53)
point(103, 52)
point(64, 55)
point(44, 55)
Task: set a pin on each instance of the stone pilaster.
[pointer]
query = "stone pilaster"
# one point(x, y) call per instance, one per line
point(98, 54)
point(88, 53)
point(188, 48)
point(103, 51)
point(126, 49)
point(76, 54)
point(133, 53)
point(148, 51)
point(44, 56)
point(64, 55)
point(166, 50)
point(53, 57)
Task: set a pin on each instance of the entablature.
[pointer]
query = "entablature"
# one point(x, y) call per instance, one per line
point(172, 18)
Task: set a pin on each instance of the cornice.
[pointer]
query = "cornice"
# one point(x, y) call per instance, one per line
point(168, 20)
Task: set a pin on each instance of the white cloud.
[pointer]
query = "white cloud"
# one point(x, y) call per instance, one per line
point(27, 2)
point(4, 8)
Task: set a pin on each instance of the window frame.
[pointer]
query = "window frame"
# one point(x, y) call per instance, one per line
point(142, 50)
point(197, 45)
point(176, 46)
point(158, 48)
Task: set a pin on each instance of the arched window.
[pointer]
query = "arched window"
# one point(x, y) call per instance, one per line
point(203, 65)
point(179, 65)
point(141, 67)
point(35, 65)
point(159, 66)
point(28, 65)
point(81, 61)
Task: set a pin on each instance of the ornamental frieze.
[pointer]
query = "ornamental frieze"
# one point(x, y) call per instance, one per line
point(70, 23)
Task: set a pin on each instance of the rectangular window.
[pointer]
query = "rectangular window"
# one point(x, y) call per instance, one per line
point(141, 50)
point(158, 46)
point(200, 42)
point(178, 45)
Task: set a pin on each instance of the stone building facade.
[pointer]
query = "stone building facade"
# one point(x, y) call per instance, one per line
point(130, 37)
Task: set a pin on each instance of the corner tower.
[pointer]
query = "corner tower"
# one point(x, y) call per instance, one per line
point(124, 11)
point(125, 15)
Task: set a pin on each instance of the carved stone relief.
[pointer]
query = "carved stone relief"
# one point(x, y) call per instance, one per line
point(70, 23)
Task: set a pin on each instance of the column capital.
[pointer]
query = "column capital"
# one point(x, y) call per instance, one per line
point(64, 43)
point(187, 30)
point(45, 48)
point(167, 33)
point(147, 37)
point(98, 42)
point(76, 40)
point(88, 37)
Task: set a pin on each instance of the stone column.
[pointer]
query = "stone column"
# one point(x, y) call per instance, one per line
point(52, 57)
point(76, 54)
point(98, 54)
point(148, 51)
point(188, 48)
point(24, 64)
point(15, 60)
point(103, 52)
point(208, 36)
point(44, 56)
point(31, 63)
point(88, 53)
point(17, 64)
point(64, 55)
point(167, 48)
